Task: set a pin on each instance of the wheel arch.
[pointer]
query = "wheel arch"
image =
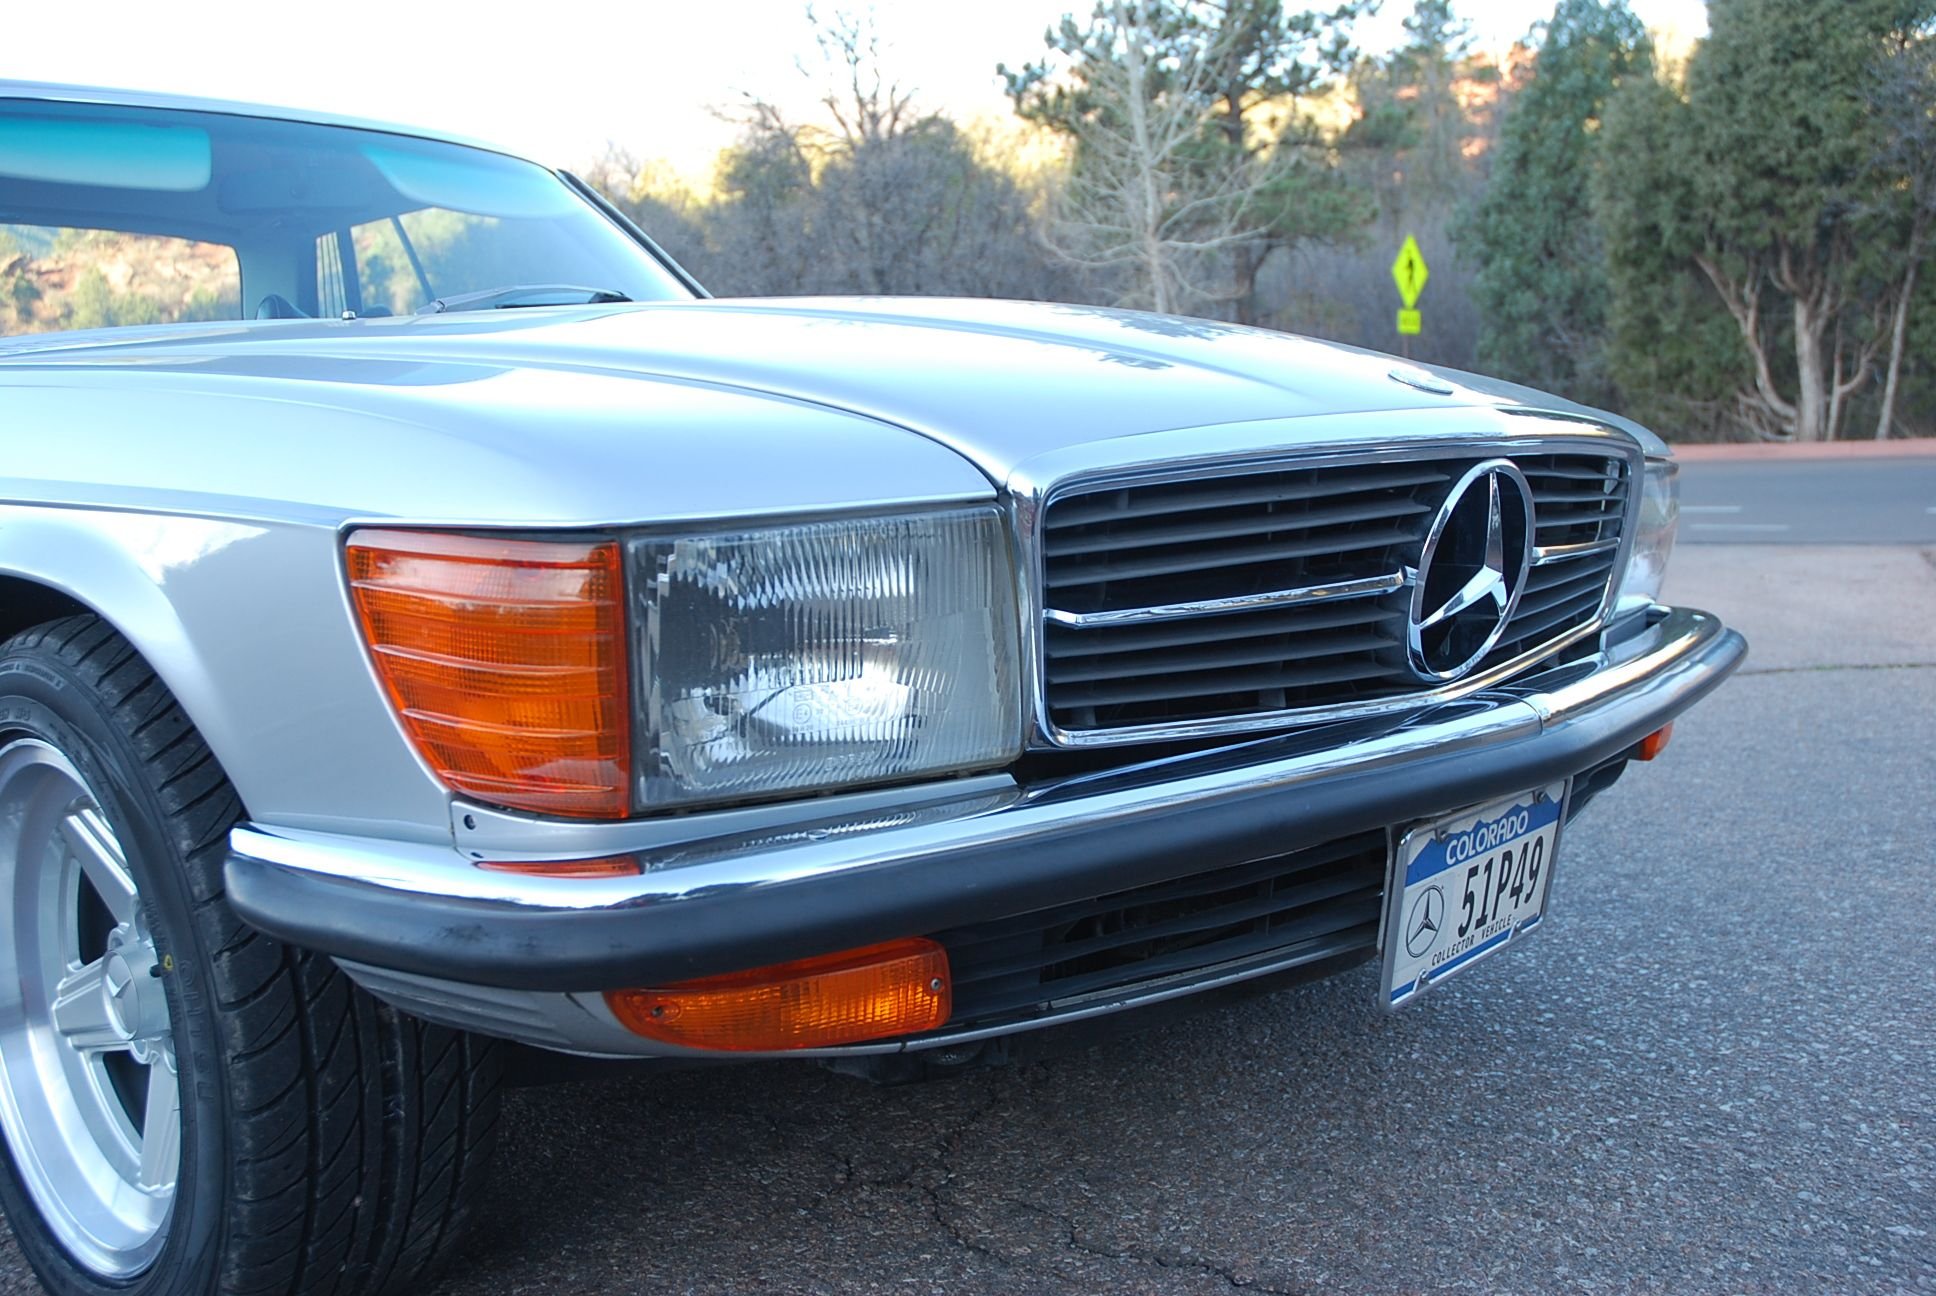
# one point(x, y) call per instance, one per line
point(103, 582)
point(26, 602)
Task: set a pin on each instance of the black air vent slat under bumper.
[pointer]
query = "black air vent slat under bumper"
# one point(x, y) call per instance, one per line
point(1357, 916)
point(1275, 869)
point(1305, 905)
point(1189, 925)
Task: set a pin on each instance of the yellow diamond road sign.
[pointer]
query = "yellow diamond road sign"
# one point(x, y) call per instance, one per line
point(1409, 272)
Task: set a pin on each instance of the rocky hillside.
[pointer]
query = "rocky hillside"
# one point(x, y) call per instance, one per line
point(74, 279)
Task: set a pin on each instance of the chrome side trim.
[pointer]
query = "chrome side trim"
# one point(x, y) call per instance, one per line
point(1562, 553)
point(1368, 586)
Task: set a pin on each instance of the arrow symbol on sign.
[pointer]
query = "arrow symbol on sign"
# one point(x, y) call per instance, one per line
point(1410, 272)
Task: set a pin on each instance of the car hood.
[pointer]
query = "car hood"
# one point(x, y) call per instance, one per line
point(1015, 388)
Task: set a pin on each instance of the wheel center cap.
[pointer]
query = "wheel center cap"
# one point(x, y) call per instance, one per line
point(136, 1006)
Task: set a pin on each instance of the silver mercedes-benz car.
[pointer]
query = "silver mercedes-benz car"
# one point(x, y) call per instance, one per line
point(436, 632)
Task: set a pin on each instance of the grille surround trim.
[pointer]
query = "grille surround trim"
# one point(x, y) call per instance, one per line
point(1033, 501)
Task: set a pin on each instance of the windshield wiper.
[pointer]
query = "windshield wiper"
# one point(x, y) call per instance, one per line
point(523, 295)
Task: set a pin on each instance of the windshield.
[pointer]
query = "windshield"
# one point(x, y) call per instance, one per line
point(113, 215)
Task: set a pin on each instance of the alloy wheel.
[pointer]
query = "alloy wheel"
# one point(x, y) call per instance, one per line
point(90, 1100)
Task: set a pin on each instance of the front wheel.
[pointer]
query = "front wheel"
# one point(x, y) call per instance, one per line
point(187, 1106)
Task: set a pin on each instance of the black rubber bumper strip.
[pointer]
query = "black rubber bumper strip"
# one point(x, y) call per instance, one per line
point(700, 934)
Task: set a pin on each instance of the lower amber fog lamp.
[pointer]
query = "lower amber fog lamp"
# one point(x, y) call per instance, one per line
point(897, 988)
point(1654, 743)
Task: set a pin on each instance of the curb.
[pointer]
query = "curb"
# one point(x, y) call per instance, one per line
point(1907, 448)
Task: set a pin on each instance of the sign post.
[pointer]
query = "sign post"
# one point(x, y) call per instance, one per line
point(1409, 272)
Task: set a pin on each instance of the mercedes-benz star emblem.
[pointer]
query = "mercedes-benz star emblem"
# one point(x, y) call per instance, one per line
point(1427, 916)
point(1471, 571)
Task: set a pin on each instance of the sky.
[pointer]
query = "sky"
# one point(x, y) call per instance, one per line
point(561, 79)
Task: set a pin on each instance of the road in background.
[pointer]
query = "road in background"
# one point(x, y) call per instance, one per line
point(1708, 1073)
point(1868, 500)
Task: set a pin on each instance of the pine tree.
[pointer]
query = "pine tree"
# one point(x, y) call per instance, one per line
point(1771, 196)
point(1542, 284)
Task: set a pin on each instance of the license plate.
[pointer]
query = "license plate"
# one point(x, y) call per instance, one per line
point(1466, 886)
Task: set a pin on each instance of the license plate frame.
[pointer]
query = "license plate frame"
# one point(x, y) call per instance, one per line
point(1422, 945)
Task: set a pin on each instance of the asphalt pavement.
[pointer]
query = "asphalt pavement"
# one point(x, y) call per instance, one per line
point(1711, 1071)
point(1868, 500)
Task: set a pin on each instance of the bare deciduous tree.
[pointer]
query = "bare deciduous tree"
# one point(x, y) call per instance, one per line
point(876, 197)
point(1152, 191)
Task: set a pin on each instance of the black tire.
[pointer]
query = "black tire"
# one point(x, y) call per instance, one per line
point(329, 1144)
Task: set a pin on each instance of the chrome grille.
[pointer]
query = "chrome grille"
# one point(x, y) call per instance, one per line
point(1235, 598)
point(1579, 508)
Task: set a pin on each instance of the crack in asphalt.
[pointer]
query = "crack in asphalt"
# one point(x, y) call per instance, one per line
point(1156, 1259)
point(936, 1188)
point(937, 1174)
point(945, 1149)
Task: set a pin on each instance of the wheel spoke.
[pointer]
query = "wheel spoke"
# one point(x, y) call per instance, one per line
point(99, 855)
point(161, 1128)
point(90, 1099)
point(80, 1012)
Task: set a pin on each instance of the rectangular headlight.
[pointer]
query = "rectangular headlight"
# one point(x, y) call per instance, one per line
point(1660, 510)
point(820, 655)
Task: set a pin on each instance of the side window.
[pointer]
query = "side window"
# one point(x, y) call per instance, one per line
point(56, 279)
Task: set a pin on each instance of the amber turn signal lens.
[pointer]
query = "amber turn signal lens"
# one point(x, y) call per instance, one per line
point(605, 866)
point(1654, 743)
point(899, 988)
point(505, 660)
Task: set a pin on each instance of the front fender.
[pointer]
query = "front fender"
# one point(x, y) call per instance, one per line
point(247, 624)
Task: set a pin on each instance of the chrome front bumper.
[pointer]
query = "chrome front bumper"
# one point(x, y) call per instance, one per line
point(524, 957)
